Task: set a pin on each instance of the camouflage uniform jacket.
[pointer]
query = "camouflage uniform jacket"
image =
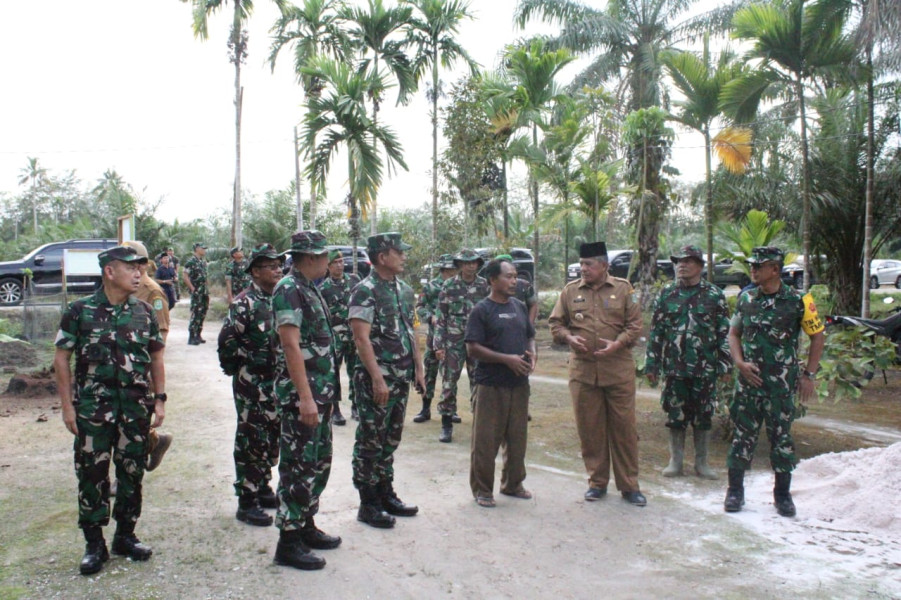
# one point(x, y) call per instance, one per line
point(770, 326)
point(196, 268)
point(336, 294)
point(112, 347)
point(427, 304)
point(248, 334)
point(296, 301)
point(455, 302)
point(239, 277)
point(388, 307)
point(689, 332)
point(525, 292)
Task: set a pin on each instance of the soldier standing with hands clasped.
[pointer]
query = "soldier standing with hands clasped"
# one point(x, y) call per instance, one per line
point(336, 289)
point(118, 353)
point(688, 345)
point(763, 339)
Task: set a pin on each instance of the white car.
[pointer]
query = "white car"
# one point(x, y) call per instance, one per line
point(885, 272)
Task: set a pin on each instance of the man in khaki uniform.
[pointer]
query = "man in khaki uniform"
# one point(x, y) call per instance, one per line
point(598, 317)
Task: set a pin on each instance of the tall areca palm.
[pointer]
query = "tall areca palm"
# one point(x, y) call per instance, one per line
point(531, 72)
point(701, 80)
point(33, 173)
point(237, 45)
point(431, 30)
point(376, 30)
point(337, 118)
point(313, 29)
point(795, 42)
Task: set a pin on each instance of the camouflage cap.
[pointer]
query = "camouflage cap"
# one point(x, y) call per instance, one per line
point(333, 255)
point(260, 252)
point(123, 253)
point(310, 241)
point(199, 245)
point(506, 257)
point(386, 241)
point(235, 250)
point(762, 254)
point(468, 255)
point(688, 252)
point(446, 261)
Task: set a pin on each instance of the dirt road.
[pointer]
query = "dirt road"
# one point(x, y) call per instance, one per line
point(555, 546)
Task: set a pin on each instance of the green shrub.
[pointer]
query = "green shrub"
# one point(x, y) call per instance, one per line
point(850, 359)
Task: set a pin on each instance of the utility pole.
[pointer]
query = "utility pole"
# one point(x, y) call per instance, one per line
point(297, 182)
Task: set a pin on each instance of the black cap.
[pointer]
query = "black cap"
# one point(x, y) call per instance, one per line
point(592, 250)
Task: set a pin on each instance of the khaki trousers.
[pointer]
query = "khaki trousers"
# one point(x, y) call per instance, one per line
point(500, 416)
point(605, 419)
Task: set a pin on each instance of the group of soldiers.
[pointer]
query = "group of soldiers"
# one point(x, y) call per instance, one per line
point(285, 337)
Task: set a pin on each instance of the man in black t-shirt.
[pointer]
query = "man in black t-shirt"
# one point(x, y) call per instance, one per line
point(501, 338)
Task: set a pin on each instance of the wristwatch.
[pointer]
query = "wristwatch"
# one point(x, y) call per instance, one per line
point(809, 374)
point(161, 397)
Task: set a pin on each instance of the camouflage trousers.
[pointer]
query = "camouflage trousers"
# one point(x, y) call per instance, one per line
point(379, 430)
point(199, 305)
point(430, 364)
point(257, 432)
point(345, 352)
point(305, 465)
point(455, 359)
point(122, 437)
point(689, 402)
point(748, 411)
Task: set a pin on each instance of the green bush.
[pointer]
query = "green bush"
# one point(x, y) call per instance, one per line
point(546, 303)
point(850, 359)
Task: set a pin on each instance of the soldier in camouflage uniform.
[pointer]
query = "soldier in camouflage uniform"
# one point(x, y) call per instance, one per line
point(306, 385)
point(336, 289)
point(763, 339)
point(237, 278)
point(247, 353)
point(117, 346)
point(381, 317)
point(688, 346)
point(426, 307)
point(195, 278)
point(455, 302)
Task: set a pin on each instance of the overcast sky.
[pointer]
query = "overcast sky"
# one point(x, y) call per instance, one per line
point(123, 84)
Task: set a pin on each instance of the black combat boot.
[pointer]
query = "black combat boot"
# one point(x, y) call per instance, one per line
point(447, 429)
point(292, 552)
point(735, 494)
point(392, 504)
point(249, 511)
point(95, 552)
point(192, 341)
point(266, 497)
point(125, 543)
point(337, 418)
point(315, 538)
point(371, 511)
point(782, 496)
point(200, 339)
point(426, 413)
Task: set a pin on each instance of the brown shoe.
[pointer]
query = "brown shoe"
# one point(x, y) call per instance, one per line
point(156, 455)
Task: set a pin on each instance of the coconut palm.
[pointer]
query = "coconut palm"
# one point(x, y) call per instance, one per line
point(377, 33)
point(33, 173)
point(337, 119)
point(237, 46)
point(431, 30)
point(312, 29)
point(701, 80)
point(794, 42)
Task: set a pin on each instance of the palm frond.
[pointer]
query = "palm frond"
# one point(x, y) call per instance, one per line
point(733, 147)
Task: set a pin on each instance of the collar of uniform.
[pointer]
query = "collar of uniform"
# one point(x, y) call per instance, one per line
point(784, 291)
point(607, 281)
point(101, 297)
point(256, 286)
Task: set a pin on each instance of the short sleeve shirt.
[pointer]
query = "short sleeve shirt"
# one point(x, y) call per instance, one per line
point(504, 328)
point(388, 307)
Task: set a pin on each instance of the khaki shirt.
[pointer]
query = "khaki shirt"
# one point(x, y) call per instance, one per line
point(608, 311)
point(150, 292)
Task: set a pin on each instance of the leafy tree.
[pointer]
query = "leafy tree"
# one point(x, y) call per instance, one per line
point(431, 30)
point(34, 174)
point(338, 118)
point(755, 229)
point(312, 30)
point(237, 46)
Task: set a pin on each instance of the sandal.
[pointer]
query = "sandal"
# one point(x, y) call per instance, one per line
point(485, 501)
point(521, 493)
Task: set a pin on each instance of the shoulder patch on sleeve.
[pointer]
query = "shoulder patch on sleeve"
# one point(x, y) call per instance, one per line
point(158, 304)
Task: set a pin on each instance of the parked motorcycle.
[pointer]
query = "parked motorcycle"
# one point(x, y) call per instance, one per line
point(888, 327)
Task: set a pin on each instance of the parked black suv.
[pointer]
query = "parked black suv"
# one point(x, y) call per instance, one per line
point(364, 265)
point(45, 263)
point(523, 260)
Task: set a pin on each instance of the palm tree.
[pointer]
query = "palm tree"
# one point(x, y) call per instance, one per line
point(33, 173)
point(625, 38)
point(701, 81)
point(338, 118)
point(313, 30)
point(432, 31)
point(531, 71)
point(794, 42)
point(237, 45)
point(376, 33)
